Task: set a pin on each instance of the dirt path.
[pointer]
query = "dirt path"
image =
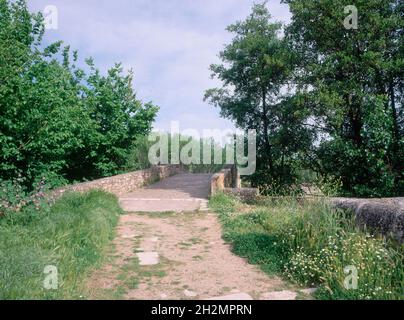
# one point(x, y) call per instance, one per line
point(178, 256)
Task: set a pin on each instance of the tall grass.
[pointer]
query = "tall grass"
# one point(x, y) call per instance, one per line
point(70, 235)
point(311, 244)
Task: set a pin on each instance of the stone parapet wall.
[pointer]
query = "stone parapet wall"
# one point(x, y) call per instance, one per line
point(385, 216)
point(124, 183)
point(228, 177)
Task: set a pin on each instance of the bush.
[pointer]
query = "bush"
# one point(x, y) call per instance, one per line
point(71, 235)
point(364, 172)
point(57, 120)
point(14, 196)
point(138, 158)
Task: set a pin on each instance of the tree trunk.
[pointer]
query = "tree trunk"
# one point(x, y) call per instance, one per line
point(394, 111)
point(355, 118)
point(397, 165)
point(268, 146)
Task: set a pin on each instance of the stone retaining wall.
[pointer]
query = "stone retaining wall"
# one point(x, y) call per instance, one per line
point(124, 183)
point(385, 216)
point(244, 194)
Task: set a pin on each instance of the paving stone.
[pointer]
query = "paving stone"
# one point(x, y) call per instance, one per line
point(128, 236)
point(279, 295)
point(190, 294)
point(236, 296)
point(204, 205)
point(309, 291)
point(148, 258)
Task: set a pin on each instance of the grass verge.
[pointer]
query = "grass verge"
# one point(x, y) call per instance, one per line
point(71, 235)
point(313, 245)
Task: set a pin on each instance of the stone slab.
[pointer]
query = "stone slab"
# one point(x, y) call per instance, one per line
point(190, 294)
point(236, 296)
point(309, 291)
point(279, 295)
point(148, 258)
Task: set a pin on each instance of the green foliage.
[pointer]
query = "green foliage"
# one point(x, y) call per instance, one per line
point(311, 244)
point(352, 83)
point(342, 114)
point(55, 120)
point(257, 66)
point(138, 157)
point(222, 203)
point(15, 197)
point(71, 235)
point(120, 118)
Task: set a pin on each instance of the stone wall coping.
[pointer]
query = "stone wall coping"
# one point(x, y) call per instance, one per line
point(123, 183)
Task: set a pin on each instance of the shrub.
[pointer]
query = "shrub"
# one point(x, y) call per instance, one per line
point(56, 120)
point(14, 196)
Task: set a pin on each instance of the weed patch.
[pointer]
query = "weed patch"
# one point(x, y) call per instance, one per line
point(311, 244)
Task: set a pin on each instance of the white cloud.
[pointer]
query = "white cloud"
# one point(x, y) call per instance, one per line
point(169, 44)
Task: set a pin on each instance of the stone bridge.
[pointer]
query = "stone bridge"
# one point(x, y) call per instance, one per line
point(182, 192)
point(162, 188)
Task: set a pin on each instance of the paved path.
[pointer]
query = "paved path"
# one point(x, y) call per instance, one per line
point(180, 193)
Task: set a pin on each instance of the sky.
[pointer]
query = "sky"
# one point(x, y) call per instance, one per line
point(169, 44)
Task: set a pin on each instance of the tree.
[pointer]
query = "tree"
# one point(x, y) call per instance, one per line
point(352, 82)
point(256, 68)
point(55, 120)
point(119, 115)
